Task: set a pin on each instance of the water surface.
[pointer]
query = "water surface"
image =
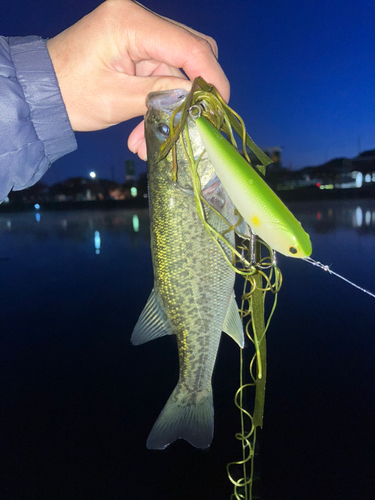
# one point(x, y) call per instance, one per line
point(78, 400)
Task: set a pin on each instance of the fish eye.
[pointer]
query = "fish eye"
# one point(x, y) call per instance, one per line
point(163, 129)
point(293, 250)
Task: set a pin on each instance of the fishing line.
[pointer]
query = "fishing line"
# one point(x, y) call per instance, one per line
point(327, 268)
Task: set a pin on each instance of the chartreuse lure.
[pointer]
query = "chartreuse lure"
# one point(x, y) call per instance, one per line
point(260, 207)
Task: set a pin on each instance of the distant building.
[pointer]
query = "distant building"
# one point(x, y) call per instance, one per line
point(339, 173)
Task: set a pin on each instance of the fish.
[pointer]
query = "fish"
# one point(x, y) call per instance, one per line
point(260, 207)
point(192, 296)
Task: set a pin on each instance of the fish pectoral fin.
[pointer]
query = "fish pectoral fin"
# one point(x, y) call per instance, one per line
point(232, 325)
point(184, 418)
point(152, 322)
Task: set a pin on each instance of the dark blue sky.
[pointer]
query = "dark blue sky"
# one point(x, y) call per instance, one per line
point(302, 73)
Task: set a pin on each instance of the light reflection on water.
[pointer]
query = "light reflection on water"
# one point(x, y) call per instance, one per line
point(341, 232)
point(75, 223)
point(72, 287)
point(327, 216)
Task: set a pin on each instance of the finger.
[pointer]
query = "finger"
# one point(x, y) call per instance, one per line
point(142, 151)
point(155, 68)
point(180, 47)
point(139, 88)
point(136, 140)
point(209, 39)
point(195, 57)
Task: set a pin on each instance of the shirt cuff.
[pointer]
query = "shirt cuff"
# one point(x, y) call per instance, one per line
point(36, 75)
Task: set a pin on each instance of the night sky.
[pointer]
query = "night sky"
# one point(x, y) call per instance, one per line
point(302, 74)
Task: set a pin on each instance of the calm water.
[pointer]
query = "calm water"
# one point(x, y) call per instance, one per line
point(78, 401)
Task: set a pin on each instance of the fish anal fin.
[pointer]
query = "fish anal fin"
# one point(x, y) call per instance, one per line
point(232, 325)
point(153, 321)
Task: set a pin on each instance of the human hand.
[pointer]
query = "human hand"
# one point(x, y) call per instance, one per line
point(109, 61)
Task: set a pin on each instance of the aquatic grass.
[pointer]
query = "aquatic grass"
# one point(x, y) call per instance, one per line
point(260, 273)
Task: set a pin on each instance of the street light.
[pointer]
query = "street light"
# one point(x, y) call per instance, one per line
point(92, 175)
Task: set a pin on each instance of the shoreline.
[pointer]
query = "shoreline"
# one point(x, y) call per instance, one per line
point(287, 196)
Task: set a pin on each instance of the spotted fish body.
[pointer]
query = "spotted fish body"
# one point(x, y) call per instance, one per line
point(193, 294)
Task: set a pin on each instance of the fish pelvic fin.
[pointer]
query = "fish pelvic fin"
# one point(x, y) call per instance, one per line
point(184, 417)
point(153, 321)
point(232, 325)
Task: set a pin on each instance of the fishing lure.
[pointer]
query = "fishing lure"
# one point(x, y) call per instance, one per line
point(260, 207)
point(266, 214)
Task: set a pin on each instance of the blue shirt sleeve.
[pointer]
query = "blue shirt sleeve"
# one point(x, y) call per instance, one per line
point(34, 126)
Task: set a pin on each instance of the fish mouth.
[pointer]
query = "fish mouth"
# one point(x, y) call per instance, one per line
point(166, 99)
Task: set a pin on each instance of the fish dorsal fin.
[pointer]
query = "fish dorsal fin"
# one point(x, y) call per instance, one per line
point(153, 321)
point(232, 325)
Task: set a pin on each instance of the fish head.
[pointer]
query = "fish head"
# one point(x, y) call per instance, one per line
point(160, 106)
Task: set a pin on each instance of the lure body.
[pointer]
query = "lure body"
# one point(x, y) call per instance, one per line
point(260, 207)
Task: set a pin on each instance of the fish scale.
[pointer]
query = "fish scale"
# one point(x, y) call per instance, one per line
point(187, 298)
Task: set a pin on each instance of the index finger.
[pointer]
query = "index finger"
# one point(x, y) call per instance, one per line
point(209, 39)
point(181, 47)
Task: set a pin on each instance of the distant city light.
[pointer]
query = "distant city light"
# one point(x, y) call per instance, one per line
point(368, 218)
point(92, 175)
point(135, 223)
point(359, 180)
point(37, 206)
point(97, 242)
point(358, 217)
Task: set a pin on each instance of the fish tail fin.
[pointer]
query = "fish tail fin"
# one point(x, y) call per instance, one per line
point(184, 418)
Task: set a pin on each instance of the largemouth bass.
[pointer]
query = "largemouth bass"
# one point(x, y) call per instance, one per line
point(193, 294)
